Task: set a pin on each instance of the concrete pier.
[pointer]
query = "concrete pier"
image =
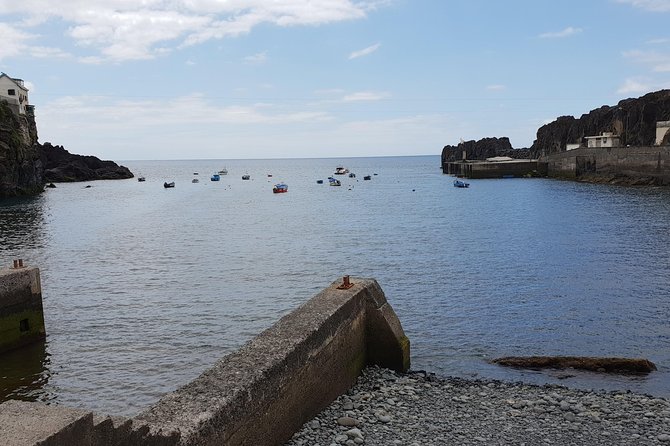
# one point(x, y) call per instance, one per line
point(495, 169)
point(260, 395)
point(21, 314)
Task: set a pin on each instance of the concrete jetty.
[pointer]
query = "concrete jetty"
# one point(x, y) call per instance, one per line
point(260, 395)
point(21, 314)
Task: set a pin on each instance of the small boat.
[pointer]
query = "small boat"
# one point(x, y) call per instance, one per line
point(352, 175)
point(215, 177)
point(141, 179)
point(334, 182)
point(367, 178)
point(269, 175)
point(319, 181)
point(245, 177)
point(168, 185)
point(195, 180)
point(223, 171)
point(195, 173)
point(280, 188)
point(341, 170)
point(460, 183)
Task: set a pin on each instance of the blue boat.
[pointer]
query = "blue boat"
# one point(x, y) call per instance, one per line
point(215, 177)
point(460, 183)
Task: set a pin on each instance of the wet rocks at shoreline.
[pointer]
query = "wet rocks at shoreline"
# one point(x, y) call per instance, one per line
point(385, 408)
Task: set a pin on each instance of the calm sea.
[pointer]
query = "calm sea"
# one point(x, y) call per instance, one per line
point(145, 287)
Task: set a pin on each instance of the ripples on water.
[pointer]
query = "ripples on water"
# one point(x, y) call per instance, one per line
point(144, 288)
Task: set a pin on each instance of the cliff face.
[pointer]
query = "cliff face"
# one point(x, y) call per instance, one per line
point(482, 149)
point(21, 167)
point(633, 119)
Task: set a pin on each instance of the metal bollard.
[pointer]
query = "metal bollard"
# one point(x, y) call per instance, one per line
point(346, 284)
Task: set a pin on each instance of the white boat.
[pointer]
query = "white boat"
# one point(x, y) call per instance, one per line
point(223, 171)
point(341, 170)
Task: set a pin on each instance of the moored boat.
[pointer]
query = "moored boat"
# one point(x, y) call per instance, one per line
point(461, 183)
point(319, 181)
point(168, 185)
point(223, 171)
point(245, 177)
point(195, 180)
point(352, 175)
point(341, 170)
point(215, 177)
point(334, 182)
point(280, 188)
point(141, 179)
point(367, 177)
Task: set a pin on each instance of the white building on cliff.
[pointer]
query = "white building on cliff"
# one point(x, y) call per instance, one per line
point(606, 139)
point(15, 93)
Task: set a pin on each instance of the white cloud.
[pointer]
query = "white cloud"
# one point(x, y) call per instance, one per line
point(366, 96)
point(496, 87)
point(649, 5)
point(659, 41)
point(567, 32)
point(658, 62)
point(257, 59)
point(365, 51)
point(634, 86)
point(119, 30)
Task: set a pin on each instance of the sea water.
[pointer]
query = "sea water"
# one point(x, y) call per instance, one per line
point(145, 287)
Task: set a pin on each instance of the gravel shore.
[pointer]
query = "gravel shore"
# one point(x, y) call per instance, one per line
point(418, 409)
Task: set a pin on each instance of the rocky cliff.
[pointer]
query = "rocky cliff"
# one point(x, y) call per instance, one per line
point(25, 165)
point(62, 166)
point(482, 149)
point(633, 119)
point(21, 168)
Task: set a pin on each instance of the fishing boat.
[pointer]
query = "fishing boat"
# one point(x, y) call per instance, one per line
point(334, 182)
point(195, 180)
point(141, 179)
point(367, 178)
point(245, 177)
point(352, 175)
point(341, 170)
point(168, 185)
point(223, 171)
point(215, 177)
point(280, 188)
point(461, 183)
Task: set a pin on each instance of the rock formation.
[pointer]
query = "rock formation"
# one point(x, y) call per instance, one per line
point(633, 119)
point(62, 166)
point(25, 165)
point(482, 149)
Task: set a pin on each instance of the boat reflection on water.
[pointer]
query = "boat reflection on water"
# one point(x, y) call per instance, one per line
point(24, 373)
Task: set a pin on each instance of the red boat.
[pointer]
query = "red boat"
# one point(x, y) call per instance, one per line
point(280, 188)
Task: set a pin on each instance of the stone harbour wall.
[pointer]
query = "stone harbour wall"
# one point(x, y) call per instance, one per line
point(21, 315)
point(259, 395)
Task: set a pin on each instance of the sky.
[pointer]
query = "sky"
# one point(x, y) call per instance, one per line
point(236, 79)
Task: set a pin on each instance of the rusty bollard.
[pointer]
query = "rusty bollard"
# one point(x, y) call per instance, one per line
point(346, 284)
point(18, 263)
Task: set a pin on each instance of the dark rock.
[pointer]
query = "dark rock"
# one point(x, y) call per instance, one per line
point(608, 365)
point(482, 149)
point(62, 166)
point(633, 119)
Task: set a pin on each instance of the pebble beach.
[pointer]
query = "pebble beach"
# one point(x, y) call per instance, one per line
point(420, 409)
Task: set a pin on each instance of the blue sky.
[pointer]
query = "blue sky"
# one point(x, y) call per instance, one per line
point(197, 79)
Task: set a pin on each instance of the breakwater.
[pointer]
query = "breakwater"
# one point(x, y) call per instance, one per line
point(259, 395)
point(628, 165)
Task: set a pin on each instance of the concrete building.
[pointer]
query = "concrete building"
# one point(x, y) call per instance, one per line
point(606, 139)
point(15, 93)
point(662, 130)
